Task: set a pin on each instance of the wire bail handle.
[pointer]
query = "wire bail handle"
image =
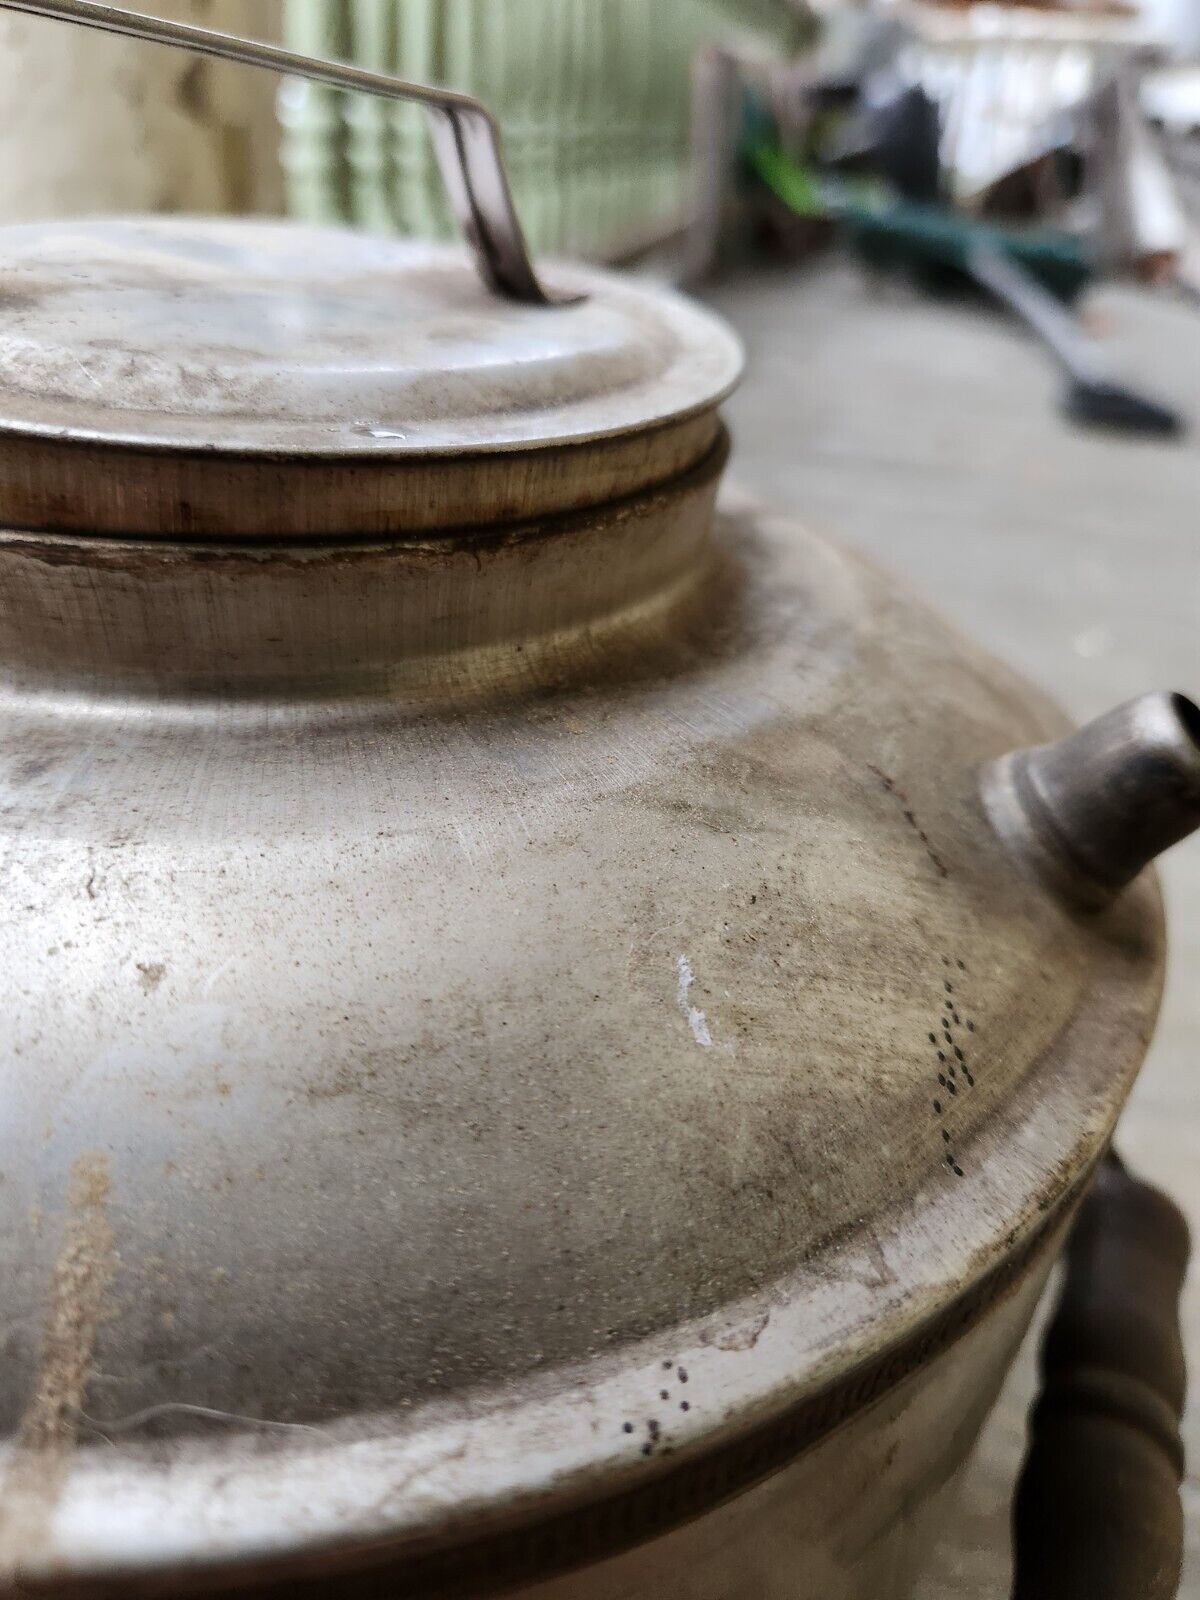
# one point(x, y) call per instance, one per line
point(465, 135)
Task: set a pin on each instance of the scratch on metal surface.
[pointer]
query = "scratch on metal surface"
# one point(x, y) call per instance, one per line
point(108, 1430)
point(694, 1017)
point(46, 1435)
point(738, 1336)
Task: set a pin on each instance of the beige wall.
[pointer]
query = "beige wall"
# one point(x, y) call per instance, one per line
point(100, 124)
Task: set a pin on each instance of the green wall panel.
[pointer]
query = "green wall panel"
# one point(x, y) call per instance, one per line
point(592, 96)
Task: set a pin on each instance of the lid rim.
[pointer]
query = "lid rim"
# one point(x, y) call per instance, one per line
point(67, 487)
point(339, 455)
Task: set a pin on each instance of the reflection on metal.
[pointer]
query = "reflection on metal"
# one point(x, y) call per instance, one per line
point(465, 135)
point(1092, 810)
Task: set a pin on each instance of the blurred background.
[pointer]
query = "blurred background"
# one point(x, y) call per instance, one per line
point(959, 241)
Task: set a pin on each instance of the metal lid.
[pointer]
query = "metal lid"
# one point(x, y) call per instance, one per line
point(275, 339)
point(204, 378)
point(257, 352)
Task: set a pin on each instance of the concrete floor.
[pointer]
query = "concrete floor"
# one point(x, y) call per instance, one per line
point(928, 435)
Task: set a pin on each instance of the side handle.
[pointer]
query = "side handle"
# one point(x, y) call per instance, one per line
point(1098, 1513)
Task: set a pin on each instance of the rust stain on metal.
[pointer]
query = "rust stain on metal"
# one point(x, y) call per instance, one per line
point(46, 1436)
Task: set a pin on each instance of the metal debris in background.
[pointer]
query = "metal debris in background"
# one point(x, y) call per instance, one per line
point(997, 146)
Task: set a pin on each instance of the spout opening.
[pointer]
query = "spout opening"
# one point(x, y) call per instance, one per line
point(1187, 713)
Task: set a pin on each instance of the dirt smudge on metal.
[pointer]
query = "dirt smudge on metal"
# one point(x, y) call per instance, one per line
point(150, 975)
point(46, 1437)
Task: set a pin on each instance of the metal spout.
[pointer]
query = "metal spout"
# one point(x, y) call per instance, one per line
point(1092, 810)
